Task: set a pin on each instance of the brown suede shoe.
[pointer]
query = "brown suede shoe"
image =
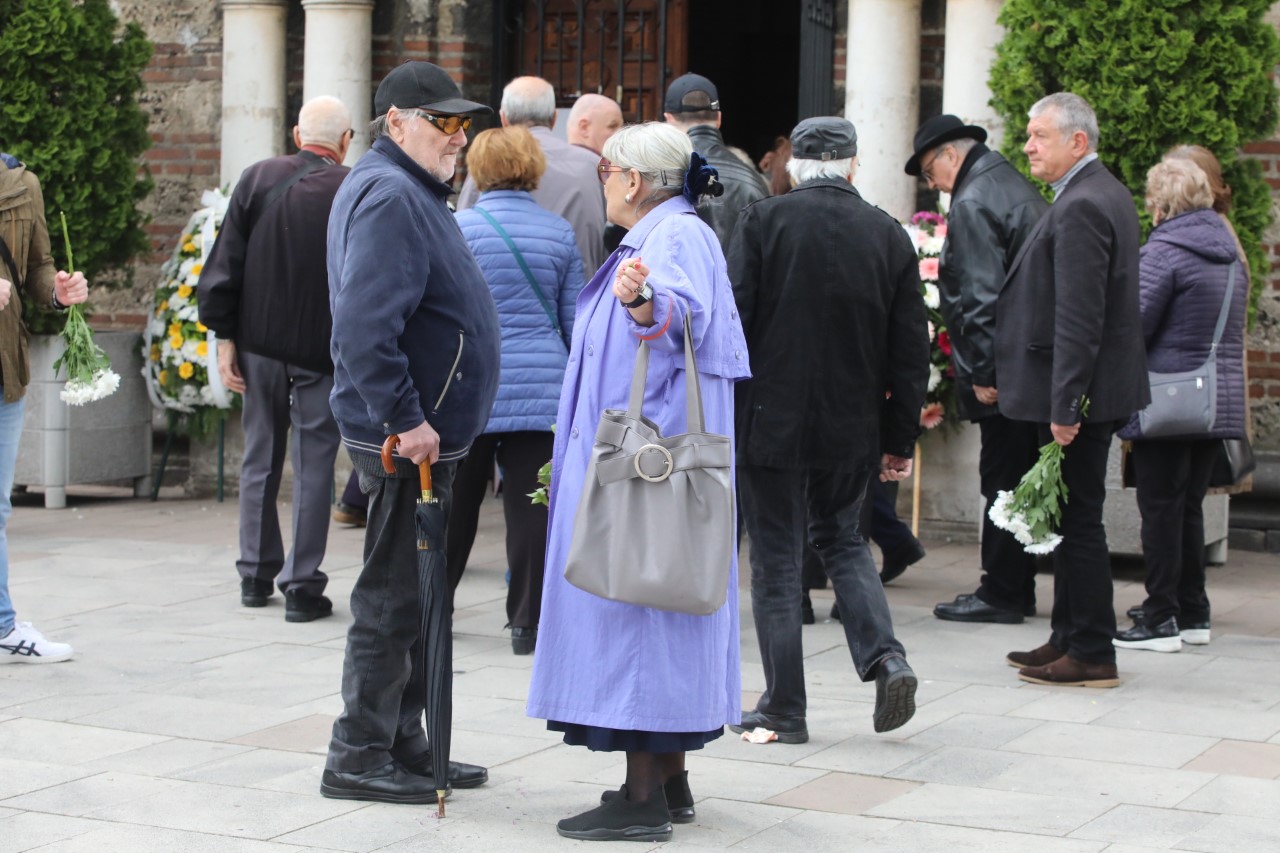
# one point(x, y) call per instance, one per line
point(1042, 656)
point(1066, 671)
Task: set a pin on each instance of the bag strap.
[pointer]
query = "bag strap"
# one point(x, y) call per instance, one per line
point(692, 385)
point(7, 256)
point(312, 163)
point(1226, 308)
point(528, 273)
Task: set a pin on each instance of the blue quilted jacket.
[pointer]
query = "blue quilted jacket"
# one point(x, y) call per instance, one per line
point(1184, 279)
point(533, 355)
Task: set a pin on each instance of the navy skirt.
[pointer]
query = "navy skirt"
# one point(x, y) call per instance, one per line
point(599, 739)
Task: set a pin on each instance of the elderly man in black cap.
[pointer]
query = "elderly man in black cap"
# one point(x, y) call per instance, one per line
point(828, 289)
point(415, 354)
point(993, 209)
point(693, 105)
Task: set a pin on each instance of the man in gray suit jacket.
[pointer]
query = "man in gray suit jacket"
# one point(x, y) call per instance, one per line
point(1068, 331)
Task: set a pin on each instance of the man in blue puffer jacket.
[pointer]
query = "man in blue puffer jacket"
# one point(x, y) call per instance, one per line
point(415, 354)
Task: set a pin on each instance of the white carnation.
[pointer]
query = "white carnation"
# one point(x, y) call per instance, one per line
point(935, 376)
point(77, 392)
point(931, 294)
point(932, 245)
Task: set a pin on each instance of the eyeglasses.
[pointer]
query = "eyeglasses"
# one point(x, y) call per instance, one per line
point(927, 170)
point(605, 167)
point(448, 125)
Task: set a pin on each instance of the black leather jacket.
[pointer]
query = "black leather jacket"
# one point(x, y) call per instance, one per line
point(742, 183)
point(992, 211)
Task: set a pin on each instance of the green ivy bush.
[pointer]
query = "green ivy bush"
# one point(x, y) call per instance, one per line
point(1159, 73)
point(69, 80)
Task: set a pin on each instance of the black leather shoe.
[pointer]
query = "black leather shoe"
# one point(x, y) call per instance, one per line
point(1164, 637)
point(787, 730)
point(895, 694)
point(970, 608)
point(523, 640)
point(898, 562)
point(460, 775)
point(390, 783)
point(300, 606)
point(254, 593)
point(620, 819)
point(679, 798)
point(806, 610)
point(1028, 610)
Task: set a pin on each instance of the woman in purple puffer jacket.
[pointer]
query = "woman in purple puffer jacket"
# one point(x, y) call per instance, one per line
point(1185, 271)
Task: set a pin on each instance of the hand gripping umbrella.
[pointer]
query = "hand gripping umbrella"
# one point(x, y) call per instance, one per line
point(436, 627)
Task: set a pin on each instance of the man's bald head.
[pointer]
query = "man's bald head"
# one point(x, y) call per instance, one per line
point(529, 102)
point(324, 121)
point(593, 119)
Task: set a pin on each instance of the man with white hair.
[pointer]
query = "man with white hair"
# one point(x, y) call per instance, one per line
point(828, 289)
point(1070, 358)
point(592, 120)
point(264, 293)
point(570, 187)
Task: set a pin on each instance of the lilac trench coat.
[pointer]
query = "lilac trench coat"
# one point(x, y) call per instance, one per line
point(600, 662)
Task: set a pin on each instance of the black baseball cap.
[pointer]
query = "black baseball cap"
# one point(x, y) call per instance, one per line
point(424, 86)
point(686, 84)
point(824, 138)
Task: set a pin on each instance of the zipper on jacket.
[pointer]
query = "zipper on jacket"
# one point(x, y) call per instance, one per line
point(448, 382)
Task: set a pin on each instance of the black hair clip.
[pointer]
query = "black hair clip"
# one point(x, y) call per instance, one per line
point(701, 179)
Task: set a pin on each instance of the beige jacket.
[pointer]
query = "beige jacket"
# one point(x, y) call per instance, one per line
point(23, 228)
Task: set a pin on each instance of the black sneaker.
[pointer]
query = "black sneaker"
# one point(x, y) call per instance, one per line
point(254, 592)
point(1137, 614)
point(787, 730)
point(1164, 637)
point(679, 798)
point(300, 606)
point(620, 819)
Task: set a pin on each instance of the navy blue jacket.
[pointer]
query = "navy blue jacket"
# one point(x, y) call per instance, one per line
point(1183, 282)
point(533, 355)
point(415, 331)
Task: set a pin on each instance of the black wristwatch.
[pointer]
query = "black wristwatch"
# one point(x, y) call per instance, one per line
point(642, 296)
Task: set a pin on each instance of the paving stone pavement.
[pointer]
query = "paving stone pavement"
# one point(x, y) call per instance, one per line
point(188, 723)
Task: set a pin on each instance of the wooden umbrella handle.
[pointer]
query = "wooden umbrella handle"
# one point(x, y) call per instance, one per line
point(389, 465)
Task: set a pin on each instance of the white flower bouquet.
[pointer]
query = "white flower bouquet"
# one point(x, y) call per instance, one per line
point(89, 373)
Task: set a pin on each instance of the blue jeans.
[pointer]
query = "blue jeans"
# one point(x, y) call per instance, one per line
point(10, 432)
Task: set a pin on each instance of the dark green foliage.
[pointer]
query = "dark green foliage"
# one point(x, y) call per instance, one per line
point(1159, 73)
point(69, 80)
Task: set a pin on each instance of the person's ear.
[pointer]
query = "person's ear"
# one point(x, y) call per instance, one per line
point(297, 138)
point(1080, 142)
point(634, 181)
point(719, 115)
point(502, 117)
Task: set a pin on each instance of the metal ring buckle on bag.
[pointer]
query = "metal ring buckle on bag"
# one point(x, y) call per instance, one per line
point(671, 463)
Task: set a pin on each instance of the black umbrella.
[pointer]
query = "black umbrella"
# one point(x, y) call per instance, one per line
point(436, 627)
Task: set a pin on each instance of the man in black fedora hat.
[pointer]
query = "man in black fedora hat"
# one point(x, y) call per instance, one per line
point(993, 208)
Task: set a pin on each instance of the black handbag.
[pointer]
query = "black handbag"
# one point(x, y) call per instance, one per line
point(1233, 463)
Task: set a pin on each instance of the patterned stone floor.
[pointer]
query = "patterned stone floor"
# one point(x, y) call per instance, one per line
point(188, 723)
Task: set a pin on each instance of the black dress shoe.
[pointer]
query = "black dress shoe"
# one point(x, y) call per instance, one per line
point(254, 592)
point(523, 640)
point(460, 775)
point(898, 562)
point(806, 609)
point(970, 608)
point(620, 819)
point(302, 606)
point(390, 783)
point(1164, 637)
point(896, 686)
point(788, 730)
point(679, 798)
point(1028, 610)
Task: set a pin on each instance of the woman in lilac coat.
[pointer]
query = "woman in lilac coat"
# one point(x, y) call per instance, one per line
point(613, 676)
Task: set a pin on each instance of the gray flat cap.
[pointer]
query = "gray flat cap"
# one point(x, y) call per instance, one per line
point(824, 138)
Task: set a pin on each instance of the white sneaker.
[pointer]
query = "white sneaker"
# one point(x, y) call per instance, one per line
point(24, 644)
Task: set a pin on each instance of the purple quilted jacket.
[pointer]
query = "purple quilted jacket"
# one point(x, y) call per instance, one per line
point(1184, 280)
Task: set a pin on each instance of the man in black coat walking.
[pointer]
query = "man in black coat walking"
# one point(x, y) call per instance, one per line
point(993, 209)
point(828, 289)
point(1070, 358)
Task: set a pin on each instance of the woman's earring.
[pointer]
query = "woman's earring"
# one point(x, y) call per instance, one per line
point(627, 199)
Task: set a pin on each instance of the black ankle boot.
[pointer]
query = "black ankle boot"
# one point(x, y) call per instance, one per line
point(679, 798)
point(620, 819)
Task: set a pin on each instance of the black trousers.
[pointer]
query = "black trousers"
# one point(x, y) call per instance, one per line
point(382, 694)
point(783, 509)
point(1084, 617)
point(878, 520)
point(1172, 478)
point(520, 454)
point(1009, 449)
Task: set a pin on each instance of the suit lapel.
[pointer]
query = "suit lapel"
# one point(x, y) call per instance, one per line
point(1040, 225)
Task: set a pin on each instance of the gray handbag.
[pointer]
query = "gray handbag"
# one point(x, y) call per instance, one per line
point(654, 525)
point(1186, 404)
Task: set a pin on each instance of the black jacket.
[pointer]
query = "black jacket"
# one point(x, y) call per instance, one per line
point(992, 211)
point(828, 289)
point(742, 183)
point(264, 284)
point(1067, 322)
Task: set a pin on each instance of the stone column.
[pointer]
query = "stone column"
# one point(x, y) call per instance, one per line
point(883, 98)
point(972, 35)
point(339, 61)
point(253, 102)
